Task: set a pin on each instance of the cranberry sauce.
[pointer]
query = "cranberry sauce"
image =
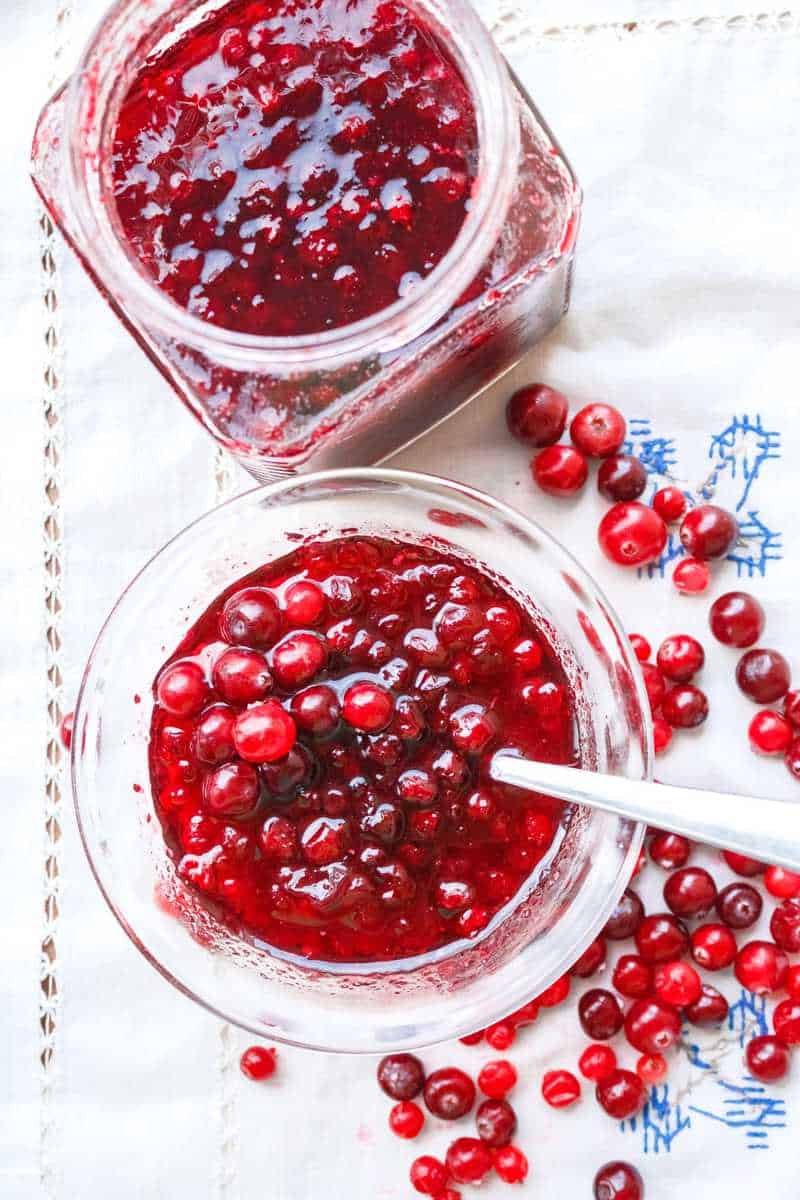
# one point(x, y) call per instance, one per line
point(290, 166)
point(319, 746)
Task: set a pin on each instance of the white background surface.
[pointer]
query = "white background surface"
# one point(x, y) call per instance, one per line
point(683, 132)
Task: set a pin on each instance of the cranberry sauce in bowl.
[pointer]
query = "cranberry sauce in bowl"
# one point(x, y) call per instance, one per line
point(319, 745)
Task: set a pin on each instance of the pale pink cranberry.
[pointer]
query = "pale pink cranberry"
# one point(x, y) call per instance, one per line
point(213, 737)
point(618, 1181)
point(241, 676)
point(250, 617)
point(560, 1088)
point(182, 689)
point(537, 414)
point(652, 1026)
point(761, 967)
point(368, 706)
point(680, 657)
point(651, 1068)
point(406, 1119)
point(468, 1160)
point(258, 1062)
point(670, 503)
point(708, 532)
point(598, 430)
point(510, 1165)
point(496, 1079)
point(631, 534)
point(264, 733)
point(305, 604)
point(767, 1058)
point(560, 470)
point(763, 675)
point(677, 983)
point(711, 1007)
point(713, 947)
point(737, 619)
point(316, 710)
point(621, 1094)
point(685, 706)
point(298, 658)
point(621, 477)
point(278, 839)
point(782, 883)
point(597, 1062)
point(769, 733)
point(691, 576)
point(232, 790)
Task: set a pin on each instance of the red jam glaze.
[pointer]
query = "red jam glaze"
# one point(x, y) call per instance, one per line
point(379, 835)
point(291, 166)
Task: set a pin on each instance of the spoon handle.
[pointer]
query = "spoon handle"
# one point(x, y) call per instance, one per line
point(761, 828)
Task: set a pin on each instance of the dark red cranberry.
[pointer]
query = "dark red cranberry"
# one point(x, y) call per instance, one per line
point(510, 1164)
point(761, 967)
point(618, 1181)
point(316, 710)
point(560, 1088)
point(560, 470)
point(708, 532)
point(213, 737)
point(496, 1079)
point(685, 706)
point(401, 1076)
point(784, 926)
point(592, 959)
point(428, 1175)
point(626, 917)
point(767, 1058)
point(691, 576)
point(597, 1062)
point(537, 414)
point(622, 1094)
point(669, 850)
point(680, 657)
point(690, 892)
point(250, 617)
point(368, 706)
point(782, 883)
point(742, 865)
point(786, 1022)
point(600, 1014)
point(449, 1093)
point(182, 689)
point(242, 676)
point(737, 619)
point(677, 983)
point(770, 733)
point(468, 1160)
point(621, 477)
point(791, 706)
point(654, 685)
point(739, 905)
point(406, 1119)
point(632, 977)
point(763, 675)
point(258, 1062)
point(264, 732)
point(496, 1122)
point(670, 504)
point(598, 430)
point(652, 1026)
point(713, 946)
point(660, 937)
point(631, 534)
point(232, 790)
point(710, 1008)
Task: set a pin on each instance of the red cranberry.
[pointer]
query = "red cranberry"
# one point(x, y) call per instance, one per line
point(600, 1014)
point(791, 707)
point(598, 430)
point(680, 657)
point(661, 937)
point(368, 706)
point(713, 947)
point(654, 685)
point(621, 477)
point(501, 1035)
point(278, 839)
point(496, 1079)
point(784, 926)
point(670, 504)
point(496, 1122)
point(739, 905)
point(250, 617)
point(669, 850)
point(325, 840)
point(621, 1094)
point(264, 732)
point(298, 658)
point(527, 655)
point(769, 733)
point(241, 676)
point(767, 1058)
point(258, 1062)
point(782, 883)
point(537, 414)
point(556, 994)
point(232, 790)
point(560, 1088)
point(305, 604)
point(652, 1026)
point(641, 647)
point(685, 706)
point(406, 1119)
point(742, 865)
point(182, 689)
point(592, 959)
point(690, 892)
point(316, 710)
point(662, 735)
point(632, 977)
point(510, 1165)
point(428, 1175)
point(786, 1022)
point(761, 967)
point(213, 737)
point(737, 619)
point(626, 917)
point(792, 983)
point(468, 1160)
point(763, 675)
point(708, 532)
point(711, 1007)
point(597, 1062)
point(401, 1076)
point(618, 1181)
point(677, 983)
point(691, 577)
point(472, 728)
point(792, 758)
point(631, 534)
point(449, 1093)
point(65, 730)
point(560, 470)
point(651, 1068)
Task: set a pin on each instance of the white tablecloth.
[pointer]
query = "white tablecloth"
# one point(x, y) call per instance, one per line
point(681, 119)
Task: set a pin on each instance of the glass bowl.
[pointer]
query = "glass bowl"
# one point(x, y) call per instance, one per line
point(359, 1007)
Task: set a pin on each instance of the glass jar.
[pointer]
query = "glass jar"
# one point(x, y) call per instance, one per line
point(353, 394)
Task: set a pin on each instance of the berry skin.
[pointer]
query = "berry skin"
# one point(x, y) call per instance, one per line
point(406, 1119)
point(401, 1076)
point(560, 470)
point(618, 1181)
point(250, 617)
point(560, 1089)
point(428, 1175)
point(510, 1164)
point(767, 1058)
point(468, 1160)
point(258, 1062)
point(660, 937)
point(786, 1022)
point(621, 477)
point(690, 892)
point(496, 1123)
point(685, 706)
point(677, 983)
point(711, 1008)
point(769, 733)
point(597, 1062)
point(739, 905)
point(622, 1094)
point(598, 430)
point(713, 947)
point(691, 577)
point(264, 732)
point(633, 977)
point(631, 534)
point(497, 1079)
point(662, 735)
point(501, 1036)
point(680, 657)
point(708, 532)
point(652, 1026)
point(449, 1093)
point(669, 503)
point(761, 967)
point(537, 415)
point(763, 675)
point(600, 1014)
point(651, 1068)
point(737, 619)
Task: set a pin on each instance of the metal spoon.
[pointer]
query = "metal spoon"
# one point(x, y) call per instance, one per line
point(760, 827)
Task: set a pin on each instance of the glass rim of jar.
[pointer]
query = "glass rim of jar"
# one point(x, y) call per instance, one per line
point(90, 120)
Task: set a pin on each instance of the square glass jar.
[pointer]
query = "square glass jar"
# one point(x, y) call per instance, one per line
point(353, 394)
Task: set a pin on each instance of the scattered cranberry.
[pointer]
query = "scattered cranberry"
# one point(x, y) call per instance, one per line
point(250, 617)
point(182, 689)
point(621, 477)
point(600, 1014)
point(654, 685)
point(761, 967)
point(592, 959)
point(560, 470)
point(406, 1119)
point(680, 657)
point(770, 733)
point(449, 1093)
point(626, 917)
point(597, 1062)
point(618, 1181)
point(631, 534)
point(791, 706)
point(742, 865)
point(737, 619)
point(713, 946)
point(685, 706)
point(537, 414)
point(258, 1062)
point(678, 983)
point(691, 576)
point(428, 1175)
point(501, 1036)
point(710, 1008)
point(472, 1039)
point(669, 850)
point(621, 1094)
point(632, 977)
point(468, 1160)
point(651, 1068)
point(65, 730)
point(670, 504)
point(497, 1079)
point(782, 883)
point(708, 532)
point(496, 1122)
point(739, 905)
point(690, 892)
point(660, 937)
point(763, 675)
point(556, 994)
point(767, 1058)
point(652, 1026)
point(786, 1022)
point(598, 430)
point(560, 1088)
point(401, 1076)
point(641, 647)
point(510, 1164)
point(784, 925)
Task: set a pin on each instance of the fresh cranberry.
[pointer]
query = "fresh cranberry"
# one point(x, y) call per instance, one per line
point(368, 706)
point(560, 1088)
point(662, 735)
point(560, 470)
point(791, 707)
point(669, 850)
point(241, 676)
point(597, 1062)
point(691, 576)
point(737, 619)
point(621, 477)
point(501, 1035)
point(654, 685)
point(621, 1094)
point(258, 1062)
point(250, 617)
point(677, 983)
point(537, 414)
point(556, 994)
point(670, 503)
point(468, 1160)
point(742, 865)
point(298, 658)
point(786, 1022)
point(763, 675)
point(496, 1079)
point(213, 737)
point(652, 1026)
point(65, 730)
point(651, 1068)
point(510, 1164)
point(406, 1119)
point(232, 790)
point(632, 977)
point(792, 983)
point(782, 883)
point(618, 1181)
point(708, 531)
point(739, 905)
point(792, 758)
point(401, 1076)
point(496, 1122)
point(600, 1014)
point(767, 1058)
point(264, 732)
point(182, 689)
point(770, 733)
point(631, 534)
point(713, 947)
point(626, 917)
point(690, 892)
point(761, 966)
point(784, 925)
point(592, 959)
point(660, 937)
point(428, 1175)
point(680, 657)
point(598, 430)
point(685, 706)
point(640, 645)
point(711, 1007)
point(304, 603)
point(449, 1093)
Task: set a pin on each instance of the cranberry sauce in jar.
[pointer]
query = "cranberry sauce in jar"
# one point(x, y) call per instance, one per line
point(291, 166)
point(319, 749)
